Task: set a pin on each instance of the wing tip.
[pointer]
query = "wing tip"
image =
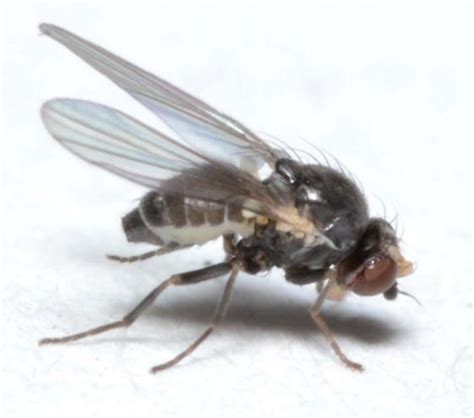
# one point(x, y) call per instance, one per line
point(45, 107)
point(50, 111)
point(53, 31)
point(48, 106)
point(46, 113)
point(46, 28)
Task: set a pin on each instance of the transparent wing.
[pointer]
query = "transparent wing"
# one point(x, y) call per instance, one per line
point(203, 127)
point(117, 142)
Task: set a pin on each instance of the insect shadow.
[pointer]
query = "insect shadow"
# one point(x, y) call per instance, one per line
point(254, 309)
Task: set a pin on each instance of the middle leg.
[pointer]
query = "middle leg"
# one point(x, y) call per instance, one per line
point(219, 315)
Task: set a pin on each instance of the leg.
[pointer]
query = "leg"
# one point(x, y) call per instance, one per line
point(191, 277)
point(321, 323)
point(145, 256)
point(220, 313)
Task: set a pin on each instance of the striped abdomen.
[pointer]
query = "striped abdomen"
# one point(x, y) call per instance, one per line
point(164, 218)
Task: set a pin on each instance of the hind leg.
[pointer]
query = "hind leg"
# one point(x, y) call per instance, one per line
point(191, 277)
point(145, 256)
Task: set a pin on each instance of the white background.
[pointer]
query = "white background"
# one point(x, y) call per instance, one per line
point(385, 88)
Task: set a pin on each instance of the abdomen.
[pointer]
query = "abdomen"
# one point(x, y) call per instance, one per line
point(164, 218)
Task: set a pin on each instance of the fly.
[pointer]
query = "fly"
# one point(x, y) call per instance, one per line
point(310, 220)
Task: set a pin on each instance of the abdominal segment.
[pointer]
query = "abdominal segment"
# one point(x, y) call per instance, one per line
point(165, 218)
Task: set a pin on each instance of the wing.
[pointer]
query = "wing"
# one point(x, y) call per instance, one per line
point(203, 127)
point(218, 164)
point(119, 143)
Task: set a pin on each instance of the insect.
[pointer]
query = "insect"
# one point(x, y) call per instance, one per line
point(310, 220)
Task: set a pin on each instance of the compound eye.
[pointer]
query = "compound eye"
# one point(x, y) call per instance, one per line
point(378, 276)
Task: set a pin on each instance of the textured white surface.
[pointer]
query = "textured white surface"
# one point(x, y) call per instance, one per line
point(387, 89)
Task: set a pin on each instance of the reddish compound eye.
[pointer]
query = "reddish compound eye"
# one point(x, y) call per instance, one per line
point(377, 276)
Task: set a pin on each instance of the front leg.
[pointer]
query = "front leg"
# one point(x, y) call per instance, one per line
point(321, 323)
